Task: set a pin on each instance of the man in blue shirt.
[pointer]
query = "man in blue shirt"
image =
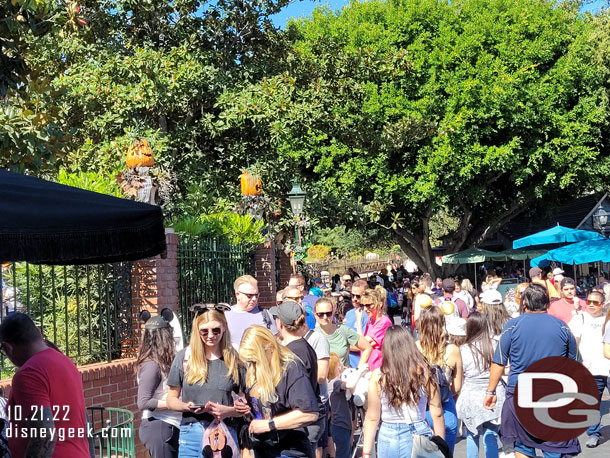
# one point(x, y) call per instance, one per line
point(351, 317)
point(307, 301)
point(526, 339)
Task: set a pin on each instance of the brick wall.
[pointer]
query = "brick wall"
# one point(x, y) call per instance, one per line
point(285, 270)
point(264, 272)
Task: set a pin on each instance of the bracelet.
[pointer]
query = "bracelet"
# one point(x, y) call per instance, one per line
point(491, 393)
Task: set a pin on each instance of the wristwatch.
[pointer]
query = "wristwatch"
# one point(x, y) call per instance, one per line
point(491, 393)
point(272, 425)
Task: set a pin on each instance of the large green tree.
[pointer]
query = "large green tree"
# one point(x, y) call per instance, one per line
point(107, 72)
point(479, 111)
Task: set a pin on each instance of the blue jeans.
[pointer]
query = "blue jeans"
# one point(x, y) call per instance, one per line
point(601, 381)
point(395, 440)
point(342, 438)
point(451, 422)
point(190, 443)
point(530, 451)
point(489, 431)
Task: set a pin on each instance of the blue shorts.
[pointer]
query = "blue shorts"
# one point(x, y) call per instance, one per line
point(531, 451)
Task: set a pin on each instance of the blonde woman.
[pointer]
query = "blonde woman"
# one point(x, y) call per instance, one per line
point(445, 358)
point(374, 304)
point(203, 381)
point(280, 393)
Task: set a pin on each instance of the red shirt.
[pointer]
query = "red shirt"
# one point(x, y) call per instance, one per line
point(49, 379)
point(565, 310)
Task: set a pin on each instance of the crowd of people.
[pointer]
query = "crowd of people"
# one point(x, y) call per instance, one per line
point(432, 359)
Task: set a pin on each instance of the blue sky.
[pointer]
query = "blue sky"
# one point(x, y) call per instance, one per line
point(305, 7)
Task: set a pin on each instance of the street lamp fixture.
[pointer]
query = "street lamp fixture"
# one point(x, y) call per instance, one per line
point(600, 219)
point(296, 196)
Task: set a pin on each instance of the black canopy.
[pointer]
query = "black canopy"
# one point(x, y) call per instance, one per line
point(49, 223)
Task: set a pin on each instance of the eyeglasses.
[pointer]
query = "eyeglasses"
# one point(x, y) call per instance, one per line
point(324, 314)
point(590, 302)
point(248, 295)
point(205, 332)
point(368, 306)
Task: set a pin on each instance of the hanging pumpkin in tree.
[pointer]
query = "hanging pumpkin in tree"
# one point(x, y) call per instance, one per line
point(139, 154)
point(251, 185)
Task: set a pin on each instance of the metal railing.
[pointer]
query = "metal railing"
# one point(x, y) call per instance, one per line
point(207, 269)
point(113, 432)
point(85, 310)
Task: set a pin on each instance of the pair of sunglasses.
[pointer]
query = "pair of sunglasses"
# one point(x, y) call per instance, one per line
point(205, 332)
point(589, 302)
point(324, 314)
point(368, 306)
point(198, 309)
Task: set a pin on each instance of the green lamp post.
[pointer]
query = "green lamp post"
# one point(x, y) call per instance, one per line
point(296, 196)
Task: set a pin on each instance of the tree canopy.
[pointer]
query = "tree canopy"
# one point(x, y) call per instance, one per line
point(398, 111)
point(427, 118)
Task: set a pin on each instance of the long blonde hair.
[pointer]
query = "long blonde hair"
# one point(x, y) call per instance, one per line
point(197, 365)
point(433, 336)
point(259, 346)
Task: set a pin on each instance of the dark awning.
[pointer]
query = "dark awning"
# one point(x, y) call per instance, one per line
point(49, 223)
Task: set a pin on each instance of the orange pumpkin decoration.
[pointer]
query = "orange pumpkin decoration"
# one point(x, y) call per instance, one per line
point(139, 154)
point(251, 185)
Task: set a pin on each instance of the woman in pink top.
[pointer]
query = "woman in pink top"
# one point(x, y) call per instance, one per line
point(378, 324)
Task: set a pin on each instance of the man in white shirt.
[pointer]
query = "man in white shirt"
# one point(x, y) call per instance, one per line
point(587, 329)
point(245, 312)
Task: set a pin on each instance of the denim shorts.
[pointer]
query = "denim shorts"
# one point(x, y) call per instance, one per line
point(395, 440)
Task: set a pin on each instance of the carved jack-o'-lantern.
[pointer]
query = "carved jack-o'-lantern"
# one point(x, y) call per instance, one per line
point(251, 185)
point(139, 154)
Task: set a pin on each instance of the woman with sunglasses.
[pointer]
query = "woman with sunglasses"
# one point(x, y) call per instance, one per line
point(588, 329)
point(340, 337)
point(204, 379)
point(379, 322)
point(282, 398)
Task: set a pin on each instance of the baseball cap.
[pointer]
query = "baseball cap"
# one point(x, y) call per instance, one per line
point(287, 312)
point(456, 326)
point(558, 271)
point(535, 271)
point(156, 322)
point(491, 296)
point(448, 285)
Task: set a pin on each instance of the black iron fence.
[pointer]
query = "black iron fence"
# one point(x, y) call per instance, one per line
point(85, 310)
point(207, 269)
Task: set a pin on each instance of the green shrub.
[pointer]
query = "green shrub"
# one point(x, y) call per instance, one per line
point(231, 227)
point(318, 252)
point(90, 181)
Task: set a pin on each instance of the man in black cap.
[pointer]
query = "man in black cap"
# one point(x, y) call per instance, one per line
point(291, 324)
point(448, 286)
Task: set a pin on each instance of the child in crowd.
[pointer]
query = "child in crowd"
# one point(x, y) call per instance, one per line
point(341, 417)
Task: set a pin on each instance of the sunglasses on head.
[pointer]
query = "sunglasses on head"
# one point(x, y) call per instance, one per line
point(294, 298)
point(592, 302)
point(205, 332)
point(198, 309)
point(324, 314)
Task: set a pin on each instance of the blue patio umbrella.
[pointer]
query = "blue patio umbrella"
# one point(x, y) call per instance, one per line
point(557, 234)
point(576, 253)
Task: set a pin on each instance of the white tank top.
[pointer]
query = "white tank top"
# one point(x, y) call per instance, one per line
point(406, 414)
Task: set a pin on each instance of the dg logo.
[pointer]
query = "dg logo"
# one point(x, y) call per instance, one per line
point(556, 399)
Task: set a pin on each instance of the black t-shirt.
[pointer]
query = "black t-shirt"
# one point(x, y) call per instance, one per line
point(217, 387)
point(294, 392)
point(308, 357)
